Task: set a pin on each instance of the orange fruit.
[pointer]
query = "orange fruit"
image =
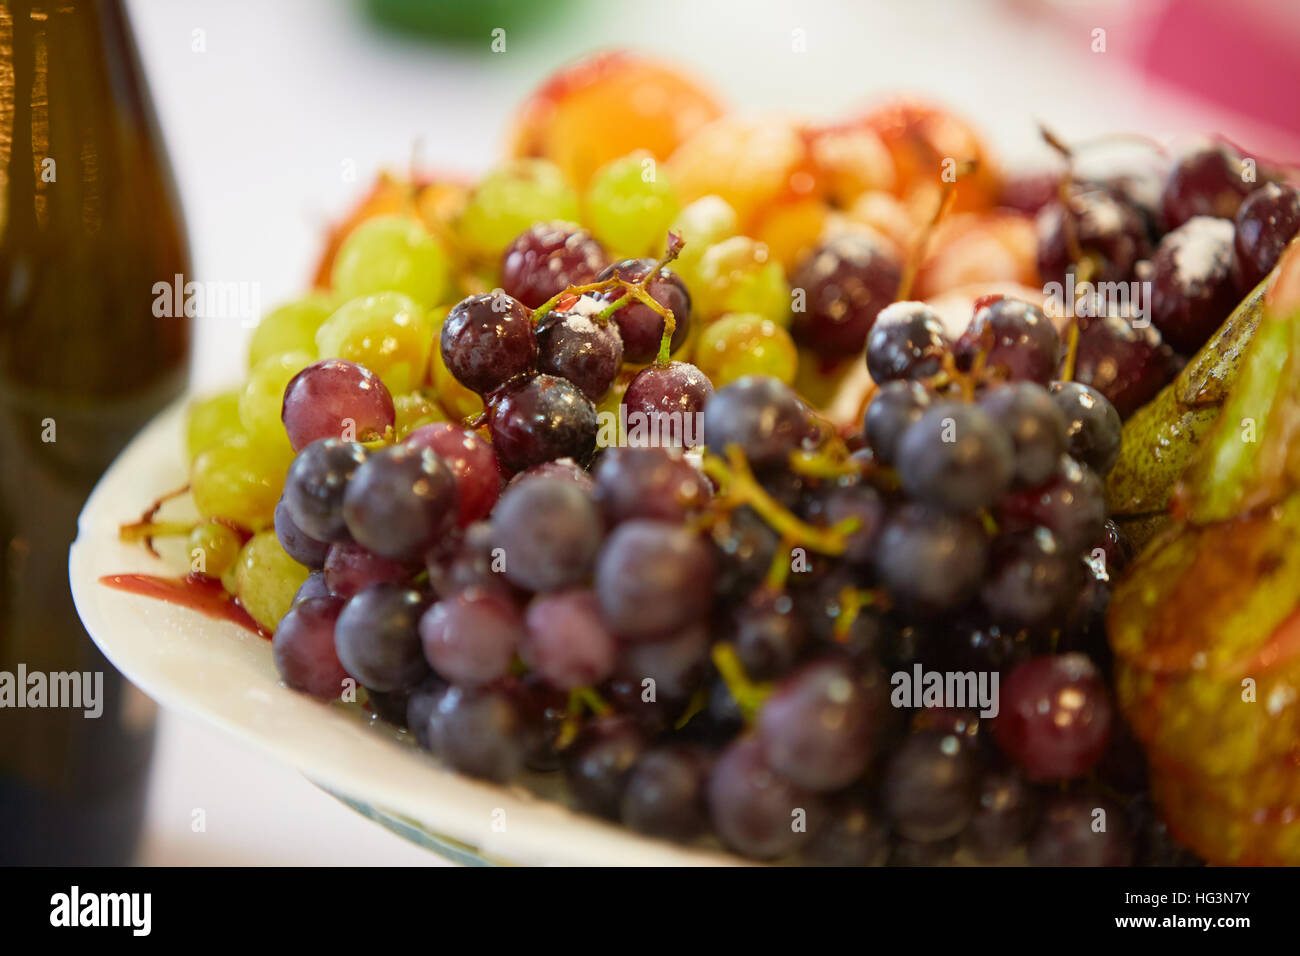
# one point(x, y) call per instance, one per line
point(607, 106)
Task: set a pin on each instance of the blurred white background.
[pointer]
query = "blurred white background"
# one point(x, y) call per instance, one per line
point(267, 104)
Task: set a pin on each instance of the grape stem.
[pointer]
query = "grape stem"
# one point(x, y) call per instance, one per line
point(748, 695)
point(947, 197)
point(740, 487)
point(631, 290)
point(580, 698)
point(852, 601)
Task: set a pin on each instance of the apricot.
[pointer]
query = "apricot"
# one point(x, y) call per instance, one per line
point(969, 248)
point(606, 106)
point(753, 163)
point(920, 137)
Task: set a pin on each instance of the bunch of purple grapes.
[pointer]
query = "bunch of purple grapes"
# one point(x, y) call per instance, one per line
point(1203, 238)
point(710, 650)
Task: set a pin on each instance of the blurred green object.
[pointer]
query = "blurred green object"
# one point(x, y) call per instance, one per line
point(462, 20)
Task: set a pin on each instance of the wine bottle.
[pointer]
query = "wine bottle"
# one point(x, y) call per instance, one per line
point(89, 222)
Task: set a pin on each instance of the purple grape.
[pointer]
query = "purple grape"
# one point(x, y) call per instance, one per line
point(929, 785)
point(400, 502)
point(313, 587)
point(566, 642)
point(664, 794)
point(1035, 425)
point(470, 458)
point(487, 340)
point(760, 415)
point(653, 578)
point(1192, 286)
point(378, 640)
point(648, 483)
point(846, 282)
point(1092, 429)
point(931, 561)
point(818, 727)
point(768, 634)
point(1005, 812)
point(565, 468)
point(666, 402)
point(1109, 231)
point(315, 485)
point(545, 711)
point(303, 648)
point(677, 665)
point(549, 532)
point(479, 732)
point(300, 546)
point(599, 762)
point(743, 546)
point(1070, 504)
point(548, 258)
point(1068, 833)
point(350, 568)
point(851, 836)
point(1030, 578)
point(955, 458)
point(821, 605)
point(471, 638)
point(895, 406)
point(467, 562)
point(333, 398)
point(1266, 222)
point(577, 348)
point(1206, 181)
point(907, 341)
point(540, 420)
point(1030, 191)
point(642, 328)
point(861, 503)
point(983, 646)
point(1129, 366)
point(420, 703)
point(1016, 338)
point(756, 811)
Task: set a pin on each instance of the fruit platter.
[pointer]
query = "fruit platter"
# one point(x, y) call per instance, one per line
point(723, 489)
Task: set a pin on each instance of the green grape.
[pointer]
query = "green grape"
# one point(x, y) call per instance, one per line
point(265, 579)
point(458, 401)
point(209, 421)
point(740, 275)
point(391, 253)
point(240, 480)
point(290, 328)
point(746, 344)
point(387, 333)
point(415, 409)
point(263, 396)
point(212, 548)
point(511, 199)
point(629, 206)
point(707, 221)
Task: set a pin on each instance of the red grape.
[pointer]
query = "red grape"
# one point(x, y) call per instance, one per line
point(335, 399)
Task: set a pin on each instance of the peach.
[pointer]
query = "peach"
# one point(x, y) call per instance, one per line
point(607, 106)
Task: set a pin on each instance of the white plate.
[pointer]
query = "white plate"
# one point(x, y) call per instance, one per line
point(224, 675)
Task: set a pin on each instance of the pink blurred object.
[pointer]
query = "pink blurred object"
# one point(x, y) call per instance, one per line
point(1241, 56)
